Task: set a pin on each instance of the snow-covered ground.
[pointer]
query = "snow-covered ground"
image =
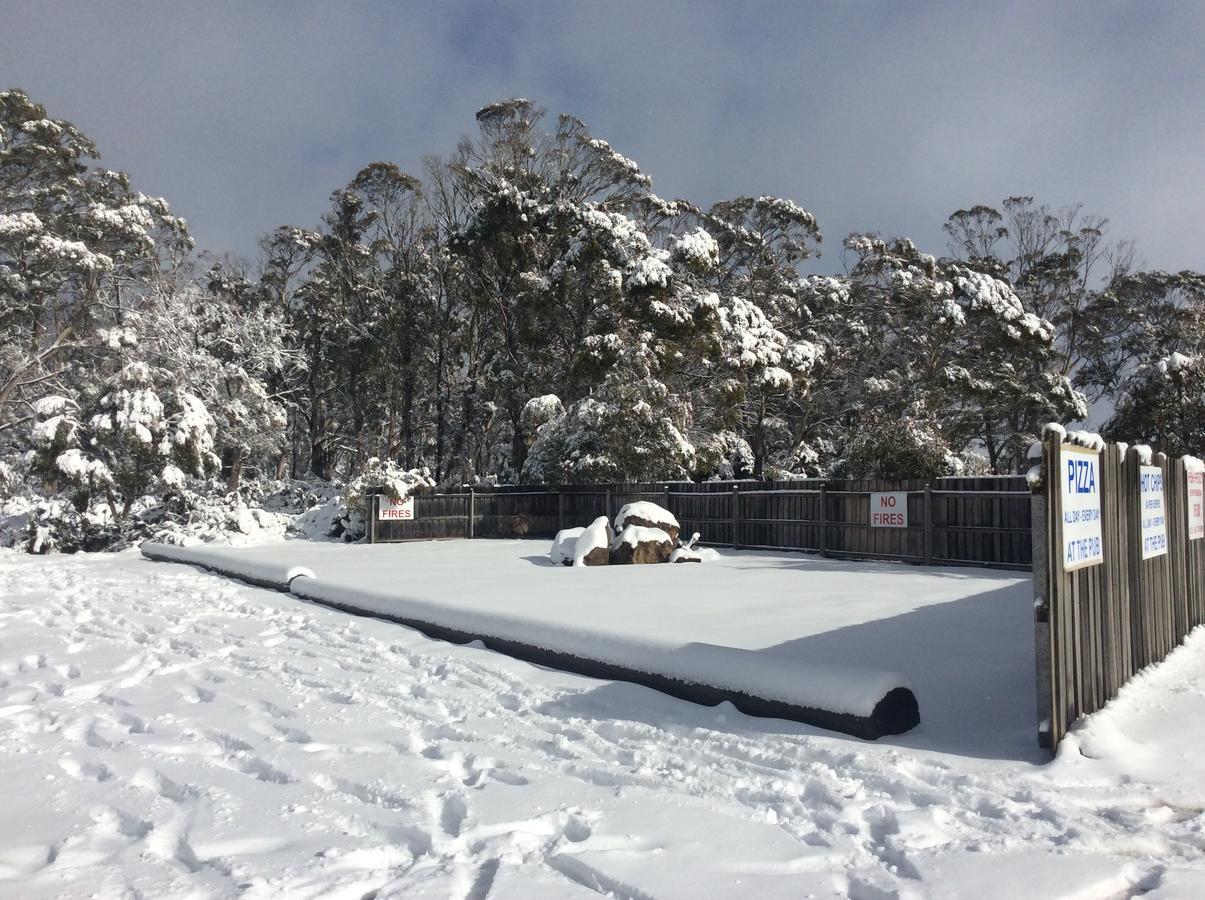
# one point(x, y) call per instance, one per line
point(833, 635)
point(168, 732)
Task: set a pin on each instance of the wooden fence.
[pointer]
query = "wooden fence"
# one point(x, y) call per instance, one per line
point(953, 521)
point(1097, 623)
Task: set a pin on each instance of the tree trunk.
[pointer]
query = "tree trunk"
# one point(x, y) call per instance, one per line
point(518, 445)
point(235, 473)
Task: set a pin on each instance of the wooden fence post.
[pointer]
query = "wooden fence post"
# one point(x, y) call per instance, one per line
point(823, 520)
point(472, 511)
point(1041, 604)
point(373, 500)
point(607, 505)
point(560, 508)
point(736, 515)
point(665, 498)
point(928, 524)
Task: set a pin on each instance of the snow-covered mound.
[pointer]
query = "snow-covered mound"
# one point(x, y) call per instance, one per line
point(564, 545)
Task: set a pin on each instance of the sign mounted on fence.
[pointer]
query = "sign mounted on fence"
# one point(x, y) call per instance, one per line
point(1079, 474)
point(389, 510)
point(1195, 481)
point(889, 510)
point(1151, 508)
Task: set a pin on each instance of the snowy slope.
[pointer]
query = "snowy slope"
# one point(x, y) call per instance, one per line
point(167, 732)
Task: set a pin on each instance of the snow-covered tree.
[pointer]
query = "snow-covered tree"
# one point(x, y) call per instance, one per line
point(74, 238)
point(630, 430)
point(140, 429)
point(1162, 404)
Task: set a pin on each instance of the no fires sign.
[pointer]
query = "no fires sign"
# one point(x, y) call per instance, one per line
point(889, 510)
point(391, 510)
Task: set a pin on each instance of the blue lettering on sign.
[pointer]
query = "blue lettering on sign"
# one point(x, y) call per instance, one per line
point(1081, 549)
point(1081, 476)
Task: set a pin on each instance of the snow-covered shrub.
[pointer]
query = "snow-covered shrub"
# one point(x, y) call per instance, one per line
point(537, 412)
point(894, 448)
point(140, 431)
point(722, 456)
point(632, 430)
point(378, 477)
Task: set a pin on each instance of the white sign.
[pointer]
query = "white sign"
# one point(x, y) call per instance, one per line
point(1079, 474)
point(395, 510)
point(1196, 505)
point(1154, 517)
point(889, 510)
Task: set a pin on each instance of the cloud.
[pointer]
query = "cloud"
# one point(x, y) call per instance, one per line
point(874, 116)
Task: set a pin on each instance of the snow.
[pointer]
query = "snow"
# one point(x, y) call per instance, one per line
point(174, 733)
point(703, 617)
point(1146, 456)
point(1055, 428)
point(564, 545)
point(701, 554)
point(81, 470)
point(172, 477)
point(275, 570)
point(633, 535)
point(649, 512)
point(697, 248)
point(1089, 439)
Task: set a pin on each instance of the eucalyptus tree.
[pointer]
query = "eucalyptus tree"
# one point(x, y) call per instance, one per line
point(77, 245)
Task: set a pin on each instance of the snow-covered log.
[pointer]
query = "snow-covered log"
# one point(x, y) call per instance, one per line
point(254, 570)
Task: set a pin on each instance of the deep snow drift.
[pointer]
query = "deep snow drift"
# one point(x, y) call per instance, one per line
point(168, 732)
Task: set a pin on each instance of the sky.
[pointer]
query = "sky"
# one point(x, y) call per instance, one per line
point(879, 117)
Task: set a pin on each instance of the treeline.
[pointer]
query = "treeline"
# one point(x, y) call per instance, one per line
point(528, 308)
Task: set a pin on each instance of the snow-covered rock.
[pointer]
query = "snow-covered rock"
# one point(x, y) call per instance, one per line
point(564, 545)
point(650, 515)
point(639, 544)
point(593, 544)
point(682, 555)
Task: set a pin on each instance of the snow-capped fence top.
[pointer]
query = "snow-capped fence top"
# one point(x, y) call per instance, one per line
point(1119, 568)
point(950, 521)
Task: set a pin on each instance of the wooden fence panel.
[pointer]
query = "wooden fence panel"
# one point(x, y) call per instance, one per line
point(1096, 626)
point(972, 521)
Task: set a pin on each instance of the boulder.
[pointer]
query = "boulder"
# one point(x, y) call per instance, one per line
point(684, 555)
point(592, 547)
point(638, 545)
point(595, 556)
point(648, 515)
